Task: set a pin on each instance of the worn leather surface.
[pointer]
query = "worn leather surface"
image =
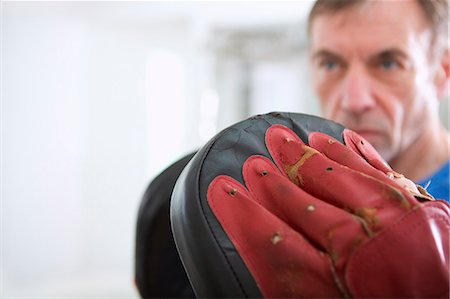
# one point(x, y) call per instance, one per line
point(308, 226)
point(409, 259)
point(213, 265)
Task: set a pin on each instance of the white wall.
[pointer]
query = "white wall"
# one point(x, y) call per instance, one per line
point(77, 148)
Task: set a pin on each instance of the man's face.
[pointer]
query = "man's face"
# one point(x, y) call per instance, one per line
point(372, 72)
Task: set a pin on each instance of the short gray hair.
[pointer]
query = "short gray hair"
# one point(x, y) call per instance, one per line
point(436, 12)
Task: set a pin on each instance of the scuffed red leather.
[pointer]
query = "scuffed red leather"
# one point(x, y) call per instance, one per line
point(365, 150)
point(407, 260)
point(359, 154)
point(286, 268)
point(323, 222)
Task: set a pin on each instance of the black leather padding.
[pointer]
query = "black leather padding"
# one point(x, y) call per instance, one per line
point(159, 272)
point(212, 263)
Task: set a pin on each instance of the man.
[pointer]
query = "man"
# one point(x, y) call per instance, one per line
point(380, 68)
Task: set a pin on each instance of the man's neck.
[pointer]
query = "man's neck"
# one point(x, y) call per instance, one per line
point(428, 153)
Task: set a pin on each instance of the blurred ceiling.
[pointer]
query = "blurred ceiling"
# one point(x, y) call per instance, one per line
point(222, 13)
point(227, 14)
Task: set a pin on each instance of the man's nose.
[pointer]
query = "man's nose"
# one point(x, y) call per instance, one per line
point(356, 96)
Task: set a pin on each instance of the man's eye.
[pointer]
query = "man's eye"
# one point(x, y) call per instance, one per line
point(389, 64)
point(328, 64)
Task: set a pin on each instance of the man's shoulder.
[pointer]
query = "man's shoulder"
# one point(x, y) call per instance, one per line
point(438, 183)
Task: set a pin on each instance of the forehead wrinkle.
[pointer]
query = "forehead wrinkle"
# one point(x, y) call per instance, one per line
point(353, 45)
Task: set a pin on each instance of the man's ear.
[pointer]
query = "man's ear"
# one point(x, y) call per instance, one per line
point(442, 78)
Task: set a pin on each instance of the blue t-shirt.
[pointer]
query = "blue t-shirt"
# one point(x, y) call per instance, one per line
point(438, 183)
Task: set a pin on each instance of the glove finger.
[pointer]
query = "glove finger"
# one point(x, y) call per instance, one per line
point(348, 156)
point(333, 230)
point(282, 262)
point(375, 201)
point(343, 154)
point(363, 148)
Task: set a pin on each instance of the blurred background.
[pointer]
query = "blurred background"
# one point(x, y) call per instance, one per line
point(98, 97)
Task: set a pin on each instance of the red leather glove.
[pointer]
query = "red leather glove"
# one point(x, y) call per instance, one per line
point(330, 220)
